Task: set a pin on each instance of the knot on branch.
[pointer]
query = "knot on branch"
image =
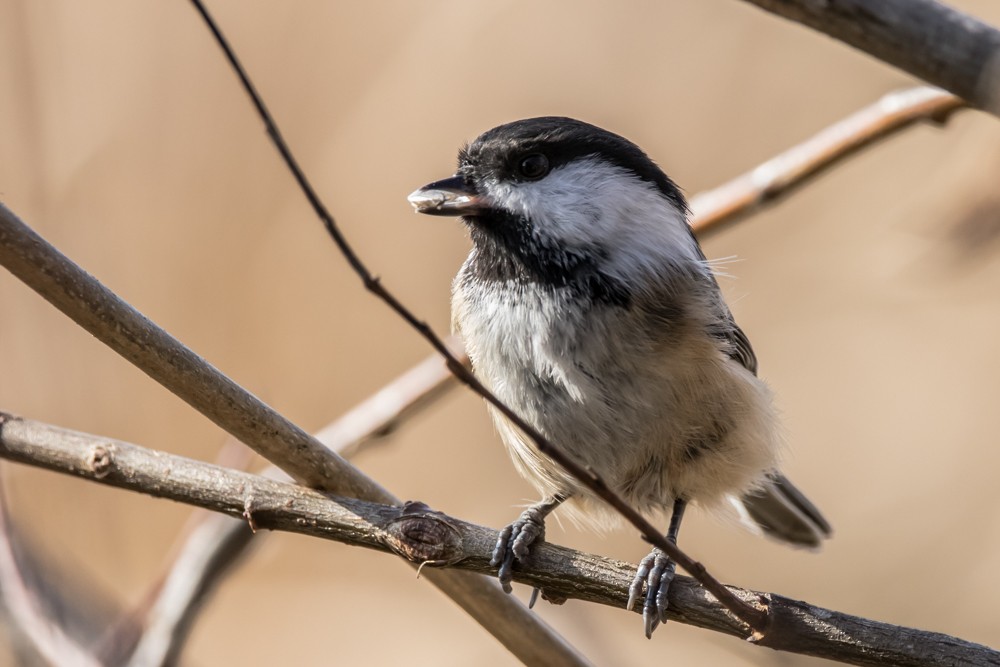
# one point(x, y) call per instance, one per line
point(101, 459)
point(422, 535)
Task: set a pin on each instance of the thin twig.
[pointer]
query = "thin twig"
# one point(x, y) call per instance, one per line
point(783, 174)
point(928, 39)
point(421, 535)
point(754, 617)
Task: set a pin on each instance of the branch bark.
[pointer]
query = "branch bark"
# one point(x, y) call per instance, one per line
point(125, 330)
point(932, 41)
point(423, 536)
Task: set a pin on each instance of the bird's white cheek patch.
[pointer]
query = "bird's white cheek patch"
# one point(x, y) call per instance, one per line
point(589, 203)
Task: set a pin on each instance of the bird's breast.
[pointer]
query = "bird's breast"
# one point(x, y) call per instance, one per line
point(658, 413)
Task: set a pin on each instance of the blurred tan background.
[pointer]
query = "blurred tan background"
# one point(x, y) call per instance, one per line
point(871, 297)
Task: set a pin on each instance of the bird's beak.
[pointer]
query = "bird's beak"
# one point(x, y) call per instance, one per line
point(450, 196)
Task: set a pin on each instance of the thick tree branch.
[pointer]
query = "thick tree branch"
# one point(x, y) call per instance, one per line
point(423, 536)
point(932, 41)
point(125, 330)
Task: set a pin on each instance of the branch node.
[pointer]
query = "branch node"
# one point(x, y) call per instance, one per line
point(424, 536)
point(248, 513)
point(101, 460)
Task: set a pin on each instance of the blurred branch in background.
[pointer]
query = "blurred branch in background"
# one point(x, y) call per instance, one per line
point(202, 558)
point(385, 410)
point(932, 41)
point(423, 536)
point(28, 606)
point(785, 173)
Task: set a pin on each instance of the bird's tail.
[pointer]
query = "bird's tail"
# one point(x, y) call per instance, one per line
point(781, 511)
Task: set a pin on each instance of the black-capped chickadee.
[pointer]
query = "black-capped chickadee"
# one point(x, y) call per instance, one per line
point(587, 306)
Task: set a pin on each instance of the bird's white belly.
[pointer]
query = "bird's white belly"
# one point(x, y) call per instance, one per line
point(654, 423)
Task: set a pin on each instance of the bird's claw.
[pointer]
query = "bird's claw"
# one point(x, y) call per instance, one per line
point(655, 573)
point(513, 544)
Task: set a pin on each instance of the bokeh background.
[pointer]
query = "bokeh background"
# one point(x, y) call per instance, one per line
point(871, 296)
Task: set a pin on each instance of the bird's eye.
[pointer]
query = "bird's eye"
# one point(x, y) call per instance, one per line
point(533, 167)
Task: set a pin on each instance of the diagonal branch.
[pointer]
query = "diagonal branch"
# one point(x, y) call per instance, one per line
point(421, 535)
point(125, 330)
point(771, 181)
point(928, 39)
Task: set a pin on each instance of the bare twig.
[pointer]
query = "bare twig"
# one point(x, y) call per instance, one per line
point(120, 326)
point(932, 41)
point(785, 173)
point(754, 617)
point(421, 535)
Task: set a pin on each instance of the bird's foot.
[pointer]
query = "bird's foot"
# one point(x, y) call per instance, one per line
point(655, 573)
point(513, 543)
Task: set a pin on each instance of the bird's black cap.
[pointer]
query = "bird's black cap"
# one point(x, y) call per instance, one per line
point(494, 153)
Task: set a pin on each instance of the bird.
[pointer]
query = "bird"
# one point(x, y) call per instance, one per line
point(587, 306)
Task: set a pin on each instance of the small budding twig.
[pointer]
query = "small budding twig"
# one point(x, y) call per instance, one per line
point(753, 617)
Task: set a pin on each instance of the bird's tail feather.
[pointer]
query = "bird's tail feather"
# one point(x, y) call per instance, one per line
point(781, 511)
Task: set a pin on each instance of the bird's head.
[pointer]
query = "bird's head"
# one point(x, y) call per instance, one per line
point(556, 200)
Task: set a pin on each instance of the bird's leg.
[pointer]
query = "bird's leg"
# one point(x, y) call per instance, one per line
point(514, 540)
point(656, 571)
